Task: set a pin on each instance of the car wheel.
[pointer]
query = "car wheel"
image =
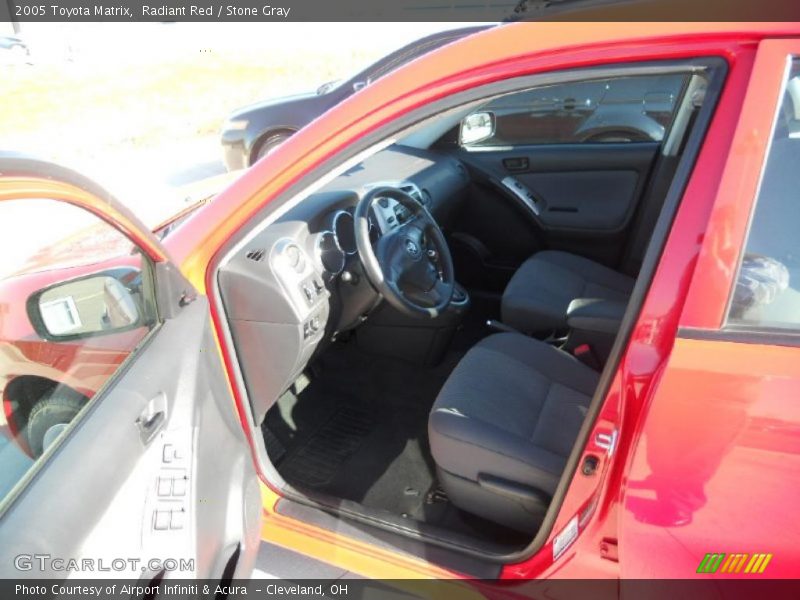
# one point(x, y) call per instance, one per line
point(270, 143)
point(51, 415)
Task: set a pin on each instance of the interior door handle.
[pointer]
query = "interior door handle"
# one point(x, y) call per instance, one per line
point(516, 163)
point(152, 418)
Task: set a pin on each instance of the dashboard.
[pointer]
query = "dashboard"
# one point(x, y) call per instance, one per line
point(299, 283)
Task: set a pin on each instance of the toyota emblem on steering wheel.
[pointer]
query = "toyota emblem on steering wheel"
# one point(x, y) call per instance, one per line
point(412, 248)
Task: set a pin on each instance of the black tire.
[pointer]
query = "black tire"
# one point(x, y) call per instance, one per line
point(270, 143)
point(60, 407)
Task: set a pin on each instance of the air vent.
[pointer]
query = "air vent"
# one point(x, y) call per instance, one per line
point(412, 190)
point(256, 254)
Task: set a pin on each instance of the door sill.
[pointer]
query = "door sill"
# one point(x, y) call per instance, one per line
point(419, 540)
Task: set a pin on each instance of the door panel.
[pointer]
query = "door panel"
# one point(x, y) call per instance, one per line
point(110, 482)
point(588, 200)
point(117, 417)
point(718, 459)
point(575, 198)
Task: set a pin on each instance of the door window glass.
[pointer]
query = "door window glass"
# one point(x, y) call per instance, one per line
point(767, 292)
point(621, 109)
point(75, 302)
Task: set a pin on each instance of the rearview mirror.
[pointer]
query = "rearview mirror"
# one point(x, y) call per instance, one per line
point(476, 127)
point(94, 305)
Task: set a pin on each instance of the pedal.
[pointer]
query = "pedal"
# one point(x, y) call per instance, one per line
point(303, 380)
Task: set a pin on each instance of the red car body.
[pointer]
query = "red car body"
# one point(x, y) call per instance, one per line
point(704, 427)
point(663, 369)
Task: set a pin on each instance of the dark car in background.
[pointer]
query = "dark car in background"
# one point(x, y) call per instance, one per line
point(256, 130)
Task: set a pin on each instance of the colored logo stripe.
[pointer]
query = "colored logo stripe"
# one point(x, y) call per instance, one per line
point(710, 563)
point(758, 563)
point(735, 563)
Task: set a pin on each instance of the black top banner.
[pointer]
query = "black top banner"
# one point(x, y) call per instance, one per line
point(396, 10)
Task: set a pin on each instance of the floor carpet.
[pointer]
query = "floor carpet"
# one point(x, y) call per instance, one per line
point(358, 431)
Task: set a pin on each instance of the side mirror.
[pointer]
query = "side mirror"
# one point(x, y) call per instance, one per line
point(476, 127)
point(97, 304)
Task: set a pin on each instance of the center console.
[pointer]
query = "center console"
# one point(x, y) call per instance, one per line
point(424, 342)
point(302, 285)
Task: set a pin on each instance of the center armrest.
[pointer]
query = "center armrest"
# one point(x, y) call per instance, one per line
point(595, 314)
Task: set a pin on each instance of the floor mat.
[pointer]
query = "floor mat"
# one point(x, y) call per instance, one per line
point(318, 460)
point(275, 448)
point(392, 469)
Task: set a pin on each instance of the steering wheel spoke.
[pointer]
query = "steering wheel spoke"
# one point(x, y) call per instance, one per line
point(410, 266)
point(440, 292)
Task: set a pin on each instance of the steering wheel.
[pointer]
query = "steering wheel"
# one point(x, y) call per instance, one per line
point(410, 265)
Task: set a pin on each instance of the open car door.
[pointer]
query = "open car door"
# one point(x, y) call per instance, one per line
point(121, 450)
point(719, 449)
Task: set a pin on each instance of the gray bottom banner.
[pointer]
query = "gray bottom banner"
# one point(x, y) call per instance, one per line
point(262, 589)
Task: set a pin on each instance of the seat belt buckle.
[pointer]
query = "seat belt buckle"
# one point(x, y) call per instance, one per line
point(585, 354)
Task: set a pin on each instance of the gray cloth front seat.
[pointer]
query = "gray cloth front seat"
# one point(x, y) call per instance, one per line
point(504, 424)
point(537, 297)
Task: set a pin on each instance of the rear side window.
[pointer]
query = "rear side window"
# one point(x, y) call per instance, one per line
point(767, 293)
point(620, 109)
